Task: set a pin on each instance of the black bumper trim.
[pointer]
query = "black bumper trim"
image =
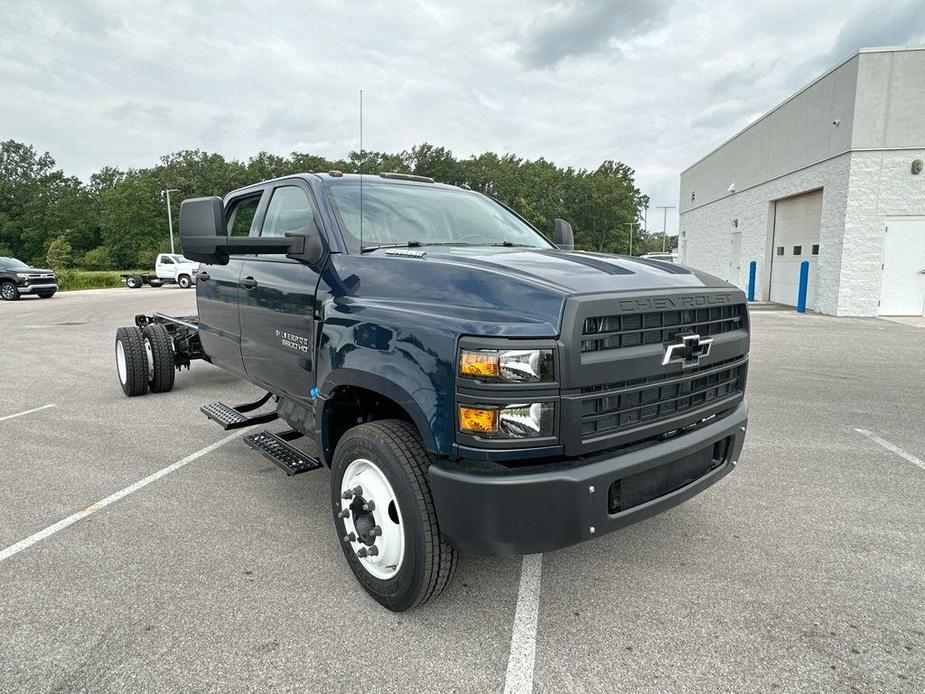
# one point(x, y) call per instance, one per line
point(553, 506)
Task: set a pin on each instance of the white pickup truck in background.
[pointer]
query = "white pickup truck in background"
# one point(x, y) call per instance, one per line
point(169, 268)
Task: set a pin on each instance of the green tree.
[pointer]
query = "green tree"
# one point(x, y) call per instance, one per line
point(59, 254)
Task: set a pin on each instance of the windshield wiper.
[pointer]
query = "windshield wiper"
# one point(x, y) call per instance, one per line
point(408, 244)
point(419, 244)
point(511, 244)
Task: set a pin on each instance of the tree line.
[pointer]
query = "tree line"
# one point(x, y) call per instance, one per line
point(118, 219)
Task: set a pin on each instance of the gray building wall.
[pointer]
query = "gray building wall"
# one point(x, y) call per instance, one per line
point(862, 164)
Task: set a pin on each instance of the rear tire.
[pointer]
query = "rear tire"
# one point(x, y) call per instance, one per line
point(8, 291)
point(184, 281)
point(157, 339)
point(131, 362)
point(393, 465)
point(133, 282)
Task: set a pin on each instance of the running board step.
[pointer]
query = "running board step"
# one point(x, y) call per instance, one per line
point(274, 447)
point(234, 418)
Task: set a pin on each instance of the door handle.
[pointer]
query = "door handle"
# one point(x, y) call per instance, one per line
point(248, 283)
point(202, 276)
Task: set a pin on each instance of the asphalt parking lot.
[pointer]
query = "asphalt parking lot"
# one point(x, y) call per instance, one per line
point(804, 570)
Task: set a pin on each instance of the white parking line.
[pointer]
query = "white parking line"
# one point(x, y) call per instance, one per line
point(519, 678)
point(892, 448)
point(112, 498)
point(20, 414)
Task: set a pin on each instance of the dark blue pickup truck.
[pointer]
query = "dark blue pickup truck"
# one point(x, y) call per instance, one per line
point(471, 384)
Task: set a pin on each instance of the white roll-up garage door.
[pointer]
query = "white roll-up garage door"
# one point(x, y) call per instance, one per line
point(796, 238)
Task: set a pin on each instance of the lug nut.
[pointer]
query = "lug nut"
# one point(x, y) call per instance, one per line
point(373, 551)
point(369, 505)
point(375, 531)
point(358, 490)
point(344, 514)
point(350, 537)
point(347, 494)
point(361, 553)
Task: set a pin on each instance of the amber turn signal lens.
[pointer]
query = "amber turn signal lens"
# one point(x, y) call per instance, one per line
point(479, 364)
point(477, 420)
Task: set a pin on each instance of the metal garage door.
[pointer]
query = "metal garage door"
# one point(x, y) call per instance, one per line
point(796, 238)
point(902, 289)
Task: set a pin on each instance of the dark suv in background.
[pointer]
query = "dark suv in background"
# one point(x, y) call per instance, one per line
point(17, 278)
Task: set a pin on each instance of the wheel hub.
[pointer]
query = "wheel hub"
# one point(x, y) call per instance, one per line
point(372, 519)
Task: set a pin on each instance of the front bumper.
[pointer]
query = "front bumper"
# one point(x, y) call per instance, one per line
point(37, 288)
point(555, 505)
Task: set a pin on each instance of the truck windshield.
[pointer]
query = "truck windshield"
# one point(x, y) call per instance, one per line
point(12, 264)
point(395, 214)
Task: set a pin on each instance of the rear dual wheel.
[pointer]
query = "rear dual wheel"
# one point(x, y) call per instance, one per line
point(144, 359)
point(384, 515)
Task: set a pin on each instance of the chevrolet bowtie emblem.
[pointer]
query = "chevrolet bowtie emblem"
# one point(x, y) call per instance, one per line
point(688, 351)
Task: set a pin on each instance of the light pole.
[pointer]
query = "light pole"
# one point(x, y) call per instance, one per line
point(631, 225)
point(167, 192)
point(665, 223)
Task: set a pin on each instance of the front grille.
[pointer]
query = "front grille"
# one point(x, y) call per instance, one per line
point(654, 327)
point(36, 280)
point(629, 406)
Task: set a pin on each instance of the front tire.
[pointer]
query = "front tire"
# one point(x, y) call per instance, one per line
point(8, 291)
point(394, 548)
point(184, 281)
point(131, 361)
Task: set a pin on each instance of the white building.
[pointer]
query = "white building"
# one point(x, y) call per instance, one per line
point(833, 176)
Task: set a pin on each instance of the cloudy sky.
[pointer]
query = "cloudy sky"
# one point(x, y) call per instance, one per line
point(653, 83)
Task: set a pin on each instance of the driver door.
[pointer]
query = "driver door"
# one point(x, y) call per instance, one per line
point(165, 268)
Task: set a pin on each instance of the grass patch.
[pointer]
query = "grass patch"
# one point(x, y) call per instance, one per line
point(90, 279)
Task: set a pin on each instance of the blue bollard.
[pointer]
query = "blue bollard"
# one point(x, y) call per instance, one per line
point(804, 283)
point(752, 269)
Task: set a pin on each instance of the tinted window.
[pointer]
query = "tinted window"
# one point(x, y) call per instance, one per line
point(780, 250)
point(815, 249)
point(167, 260)
point(241, 216)
point(289, 211)
point(797, 250)
point(12, 264)
point(399, 214)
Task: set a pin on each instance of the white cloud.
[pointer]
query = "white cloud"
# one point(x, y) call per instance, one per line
point(650, 83)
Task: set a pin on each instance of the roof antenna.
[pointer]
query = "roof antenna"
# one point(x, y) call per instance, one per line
point(361, 171)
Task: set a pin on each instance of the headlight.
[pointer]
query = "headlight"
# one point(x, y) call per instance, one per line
point(22, 274)
point(522, 421)
point(508, 366)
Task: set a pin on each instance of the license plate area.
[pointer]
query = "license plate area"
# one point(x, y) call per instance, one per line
point(635, 490)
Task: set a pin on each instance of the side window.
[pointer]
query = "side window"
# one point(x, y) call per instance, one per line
point(289, 210)
point(166, 260)
point(798, 250)
point(241, 216)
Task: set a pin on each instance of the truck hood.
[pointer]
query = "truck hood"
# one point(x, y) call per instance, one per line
point(515, 292)
point(577, 272)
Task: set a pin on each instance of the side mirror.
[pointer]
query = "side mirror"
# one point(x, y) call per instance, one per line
point(563, 236)
point(205, 239)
